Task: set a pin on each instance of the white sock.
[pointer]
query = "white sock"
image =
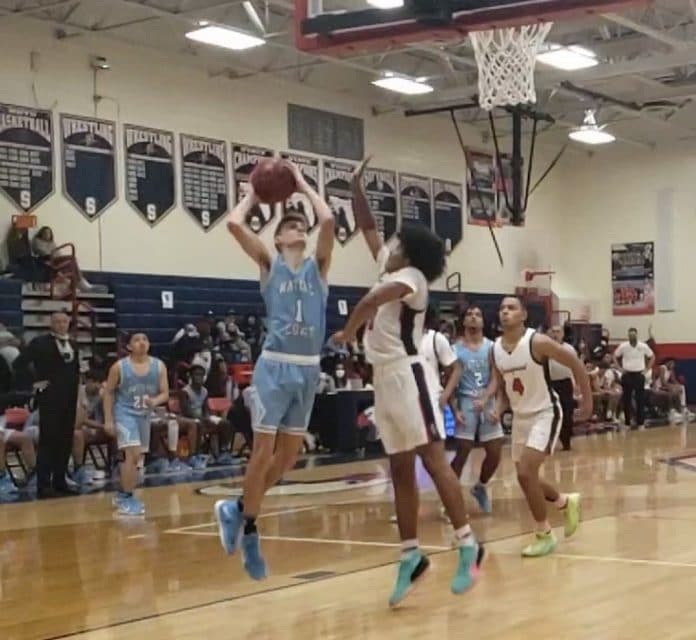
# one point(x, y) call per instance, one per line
point(464, 536)
point(562, 500)
point(543, 527)
point(408, 547)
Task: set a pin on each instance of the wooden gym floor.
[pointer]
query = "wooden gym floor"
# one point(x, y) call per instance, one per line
point(69, 569)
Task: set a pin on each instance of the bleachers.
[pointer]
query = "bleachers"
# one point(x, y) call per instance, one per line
point(11, 304)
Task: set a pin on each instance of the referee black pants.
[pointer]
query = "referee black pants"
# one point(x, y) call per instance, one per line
point(633, 383)
point(56, 426)
point(564, 389)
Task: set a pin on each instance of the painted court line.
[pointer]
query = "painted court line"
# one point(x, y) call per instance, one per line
point(270, 514)
point(355, 543)
point(613, 559)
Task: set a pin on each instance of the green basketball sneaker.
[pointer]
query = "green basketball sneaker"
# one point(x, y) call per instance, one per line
point(543, 545)
point(572, 514)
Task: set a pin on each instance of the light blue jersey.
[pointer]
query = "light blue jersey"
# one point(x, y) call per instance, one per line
point(476, 374)
point(286, 374)
point(131, 414)
point(476, 369)
point(296, 308)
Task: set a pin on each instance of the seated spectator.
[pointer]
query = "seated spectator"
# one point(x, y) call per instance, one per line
point(89, 425)
point(219, 382)
point(610, 386)
point(20, 260)
point(25, 442)
point(667, 381)
point(597, 395)
point(254, 334)
point(194, 408)
point(9, 345)
point(169, 451)
point(186, 343)
point(235, 350)
point(44, 247)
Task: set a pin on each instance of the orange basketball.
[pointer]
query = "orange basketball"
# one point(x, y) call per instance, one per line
point(273, 180)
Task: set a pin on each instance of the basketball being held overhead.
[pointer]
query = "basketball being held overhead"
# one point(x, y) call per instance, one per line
point(273, 180)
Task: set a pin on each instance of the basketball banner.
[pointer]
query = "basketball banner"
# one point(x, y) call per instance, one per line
point(337, 192)
point(299, 202)
point(380, 189)
point(204, 179)
point(415, 199)
point(26, 155)
point(244, 159)
point(89, 163)
point(481, 189)
point(448, 211)
point(633, 278)
point(149, 172)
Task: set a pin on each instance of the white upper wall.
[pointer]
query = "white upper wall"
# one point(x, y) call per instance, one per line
point(169, 92)
point(614, 198)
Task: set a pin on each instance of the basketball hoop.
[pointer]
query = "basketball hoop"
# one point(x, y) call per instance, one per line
point(506, 59)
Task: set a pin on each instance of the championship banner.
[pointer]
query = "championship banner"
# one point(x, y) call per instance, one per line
point(149, 172)
point(204, 179)
point(415, 199)
point(481, 189)
point(380, 189)
point(244, 159)
point(26, 155)
point(448, 210)
point(633, 278)
point(89, 163)
point(337, 192)
point(299, 202)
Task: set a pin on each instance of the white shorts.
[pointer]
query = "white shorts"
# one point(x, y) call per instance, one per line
point(538, 431)
point(406, 413)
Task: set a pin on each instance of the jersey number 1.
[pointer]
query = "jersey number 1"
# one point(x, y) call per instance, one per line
point(298, 312)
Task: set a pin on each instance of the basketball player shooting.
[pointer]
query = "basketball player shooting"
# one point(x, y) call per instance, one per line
point(394, 312)
point(521, 363)
point(295, 291)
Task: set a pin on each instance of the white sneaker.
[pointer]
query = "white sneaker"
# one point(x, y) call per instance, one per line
point(675, 417)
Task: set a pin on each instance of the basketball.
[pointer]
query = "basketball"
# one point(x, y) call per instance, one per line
point(273, 180)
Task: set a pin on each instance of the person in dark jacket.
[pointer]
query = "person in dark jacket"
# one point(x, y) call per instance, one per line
point(54, 359)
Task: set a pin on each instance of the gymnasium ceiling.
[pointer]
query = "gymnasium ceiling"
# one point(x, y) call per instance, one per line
point(644, 88)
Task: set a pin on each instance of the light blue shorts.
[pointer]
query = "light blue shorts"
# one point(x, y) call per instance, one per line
point(477, 423)
point(282, 396)
point(132, 430)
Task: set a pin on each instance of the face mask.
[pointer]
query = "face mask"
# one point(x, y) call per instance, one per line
point(340, 373)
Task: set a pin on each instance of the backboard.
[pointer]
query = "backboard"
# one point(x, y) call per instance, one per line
point(350, 27)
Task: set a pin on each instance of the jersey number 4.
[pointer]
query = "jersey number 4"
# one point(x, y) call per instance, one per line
point(518, 386)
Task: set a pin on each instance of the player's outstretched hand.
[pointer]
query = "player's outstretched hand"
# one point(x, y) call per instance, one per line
point(300, 181)
point(341, 337)
point(356, 178)
point(584, 412)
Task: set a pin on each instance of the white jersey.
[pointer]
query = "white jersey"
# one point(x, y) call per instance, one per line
point(527, 382)
point(437, 352)
point(397, 328)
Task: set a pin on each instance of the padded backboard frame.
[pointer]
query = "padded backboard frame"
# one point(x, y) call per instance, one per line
point(372, 29)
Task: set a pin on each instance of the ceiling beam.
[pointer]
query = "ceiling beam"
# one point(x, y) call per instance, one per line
point(655, 34)
point(37, 9)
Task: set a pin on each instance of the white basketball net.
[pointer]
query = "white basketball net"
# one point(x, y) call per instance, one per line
point(506, 59)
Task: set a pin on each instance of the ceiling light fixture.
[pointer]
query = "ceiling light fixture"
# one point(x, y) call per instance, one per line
point(386, 4)
point(590, 132)
point(570, 58)
point(403, 84)
point(225, 37)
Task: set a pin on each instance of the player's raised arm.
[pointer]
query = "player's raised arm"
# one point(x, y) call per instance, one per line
point(364, 219)
point(544, 347)
point(325, 219)
point(368, 305)
point(248, 240)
